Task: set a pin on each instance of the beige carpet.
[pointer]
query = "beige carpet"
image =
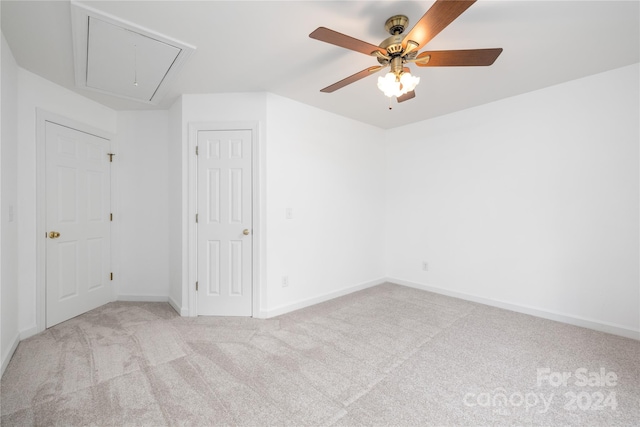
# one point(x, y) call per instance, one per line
point(389, 355)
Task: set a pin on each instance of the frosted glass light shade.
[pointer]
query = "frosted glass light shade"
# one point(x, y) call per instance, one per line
point(408, 82)
point(391, 86)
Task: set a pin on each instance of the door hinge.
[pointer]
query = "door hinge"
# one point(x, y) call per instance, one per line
point(196, 286)
point(111, 276)
point(111, 217)
point(196, 218)
point(110, 157)
point(196, 150)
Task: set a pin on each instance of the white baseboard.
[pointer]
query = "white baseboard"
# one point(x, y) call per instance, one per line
point(533, 311)
point(182, 311)
point(29, 332)
point(9, 354)
point(143, 298)
point(155, 298)
point(287, 308)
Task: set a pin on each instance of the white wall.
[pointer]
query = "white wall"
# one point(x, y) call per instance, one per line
point(9, 331)
point(142, 217)
point(330, 171)
point(531, 201)
point(35, 92)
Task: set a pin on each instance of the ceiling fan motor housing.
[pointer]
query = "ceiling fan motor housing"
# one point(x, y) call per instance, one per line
point(393, 45)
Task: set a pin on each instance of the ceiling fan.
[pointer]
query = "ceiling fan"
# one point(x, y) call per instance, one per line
point(401, 49)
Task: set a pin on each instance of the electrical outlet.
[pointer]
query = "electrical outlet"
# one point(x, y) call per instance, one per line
point(425, 265)
point(285, 281)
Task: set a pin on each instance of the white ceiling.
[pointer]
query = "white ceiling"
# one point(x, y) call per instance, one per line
point(264, 46)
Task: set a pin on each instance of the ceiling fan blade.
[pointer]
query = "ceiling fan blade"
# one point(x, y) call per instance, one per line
point(441, 14)
point(407, 96)
point(333, 37)
point(458, 58)
point(354, 78)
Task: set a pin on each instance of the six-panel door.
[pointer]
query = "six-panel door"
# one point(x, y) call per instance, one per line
point(78, 227)
point(225, 223)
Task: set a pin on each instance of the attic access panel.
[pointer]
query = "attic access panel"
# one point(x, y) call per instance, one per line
point(122, 59)
point(125, 62)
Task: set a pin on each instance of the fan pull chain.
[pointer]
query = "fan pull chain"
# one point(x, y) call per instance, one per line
point(390, 105)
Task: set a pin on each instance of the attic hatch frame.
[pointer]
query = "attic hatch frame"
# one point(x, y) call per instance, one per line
point(80, 18)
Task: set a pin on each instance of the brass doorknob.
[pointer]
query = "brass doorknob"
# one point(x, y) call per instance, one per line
point(54, 234)
point(245, 232)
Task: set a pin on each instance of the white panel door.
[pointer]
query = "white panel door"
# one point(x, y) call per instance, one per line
point(224, 223)
point(78, 200)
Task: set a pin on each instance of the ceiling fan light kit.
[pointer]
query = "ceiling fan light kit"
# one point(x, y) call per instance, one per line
point(398, 50)
point(394, 85)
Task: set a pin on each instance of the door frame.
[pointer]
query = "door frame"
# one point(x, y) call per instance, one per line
point(192, 232)
point(42, 117)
